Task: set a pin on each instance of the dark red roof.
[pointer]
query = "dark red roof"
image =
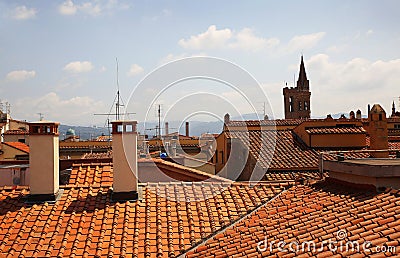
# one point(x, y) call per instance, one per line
point(286, 155)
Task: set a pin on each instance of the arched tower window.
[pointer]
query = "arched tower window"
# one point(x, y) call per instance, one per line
point(291, 104)
point(305, 105)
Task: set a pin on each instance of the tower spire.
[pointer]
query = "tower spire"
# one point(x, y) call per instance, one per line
point(302, 82)
point(393, 109)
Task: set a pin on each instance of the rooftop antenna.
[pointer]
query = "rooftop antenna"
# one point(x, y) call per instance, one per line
point(118, 103)
point(40, 116)
point(118, 96)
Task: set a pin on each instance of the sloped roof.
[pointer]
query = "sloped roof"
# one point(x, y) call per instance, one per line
point(277, 122)
point(18, 145)
point(336, 130)
point(318, 213)
point(286, 155)
point(169, 219)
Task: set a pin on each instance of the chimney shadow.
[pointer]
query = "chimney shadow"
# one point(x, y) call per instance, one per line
point(12, 204)
point(90, 203)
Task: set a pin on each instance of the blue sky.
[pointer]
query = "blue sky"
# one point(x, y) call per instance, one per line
point(58, 57)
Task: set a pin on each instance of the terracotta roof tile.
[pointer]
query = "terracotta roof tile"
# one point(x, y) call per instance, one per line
point(170, 219)
point(18, 145)
point(316, 213)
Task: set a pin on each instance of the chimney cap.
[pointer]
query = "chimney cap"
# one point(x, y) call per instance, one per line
point(43, 128)
point(123, 126)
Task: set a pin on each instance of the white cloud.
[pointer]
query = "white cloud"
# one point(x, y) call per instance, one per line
point(67, 8)
point(135, 70)
point(306, 41)
point(246, 40)
point(90, 8)
point(210, 39)
point(369, 32)
point(93, 8)
point(79, 67)
point(103, 69)
point(23, 13)
point(338, 87)
point(214, 38)
point(74, 111)
point(20, 75)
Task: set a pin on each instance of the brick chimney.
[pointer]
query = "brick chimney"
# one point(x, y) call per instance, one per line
point(187, 129)
point(43, 161)
point(124, 146)
point(378, 131)
point(166, 128)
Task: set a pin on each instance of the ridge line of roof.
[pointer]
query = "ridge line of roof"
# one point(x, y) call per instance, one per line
point(235, 222)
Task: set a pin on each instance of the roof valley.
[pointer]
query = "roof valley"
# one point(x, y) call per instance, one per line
point(202, 242)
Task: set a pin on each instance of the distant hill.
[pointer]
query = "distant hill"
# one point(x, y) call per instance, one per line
point(196, 128)
point(84, 132)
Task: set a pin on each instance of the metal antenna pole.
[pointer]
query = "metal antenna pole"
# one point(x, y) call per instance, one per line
point(117, 105)
point(159, 121)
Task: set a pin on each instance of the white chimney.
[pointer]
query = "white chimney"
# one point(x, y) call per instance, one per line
point(173, 148)
point(124, 146)
point(43, 161)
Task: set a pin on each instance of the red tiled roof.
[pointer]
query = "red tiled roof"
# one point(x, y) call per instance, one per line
point(104, 138)
point(16, 132)
point(291, 175)
point(169, 219)
point(312, 214)
point(394, 132)
point(394, 145)
point(64, 147)
point(18, 145)
point(336, 130)
point(277, 122)
point(99, 155)
point(287, 154)
point(393, 119)
point(91, 174)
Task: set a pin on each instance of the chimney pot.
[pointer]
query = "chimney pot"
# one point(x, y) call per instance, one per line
point(187, 129)
point(166, 128)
